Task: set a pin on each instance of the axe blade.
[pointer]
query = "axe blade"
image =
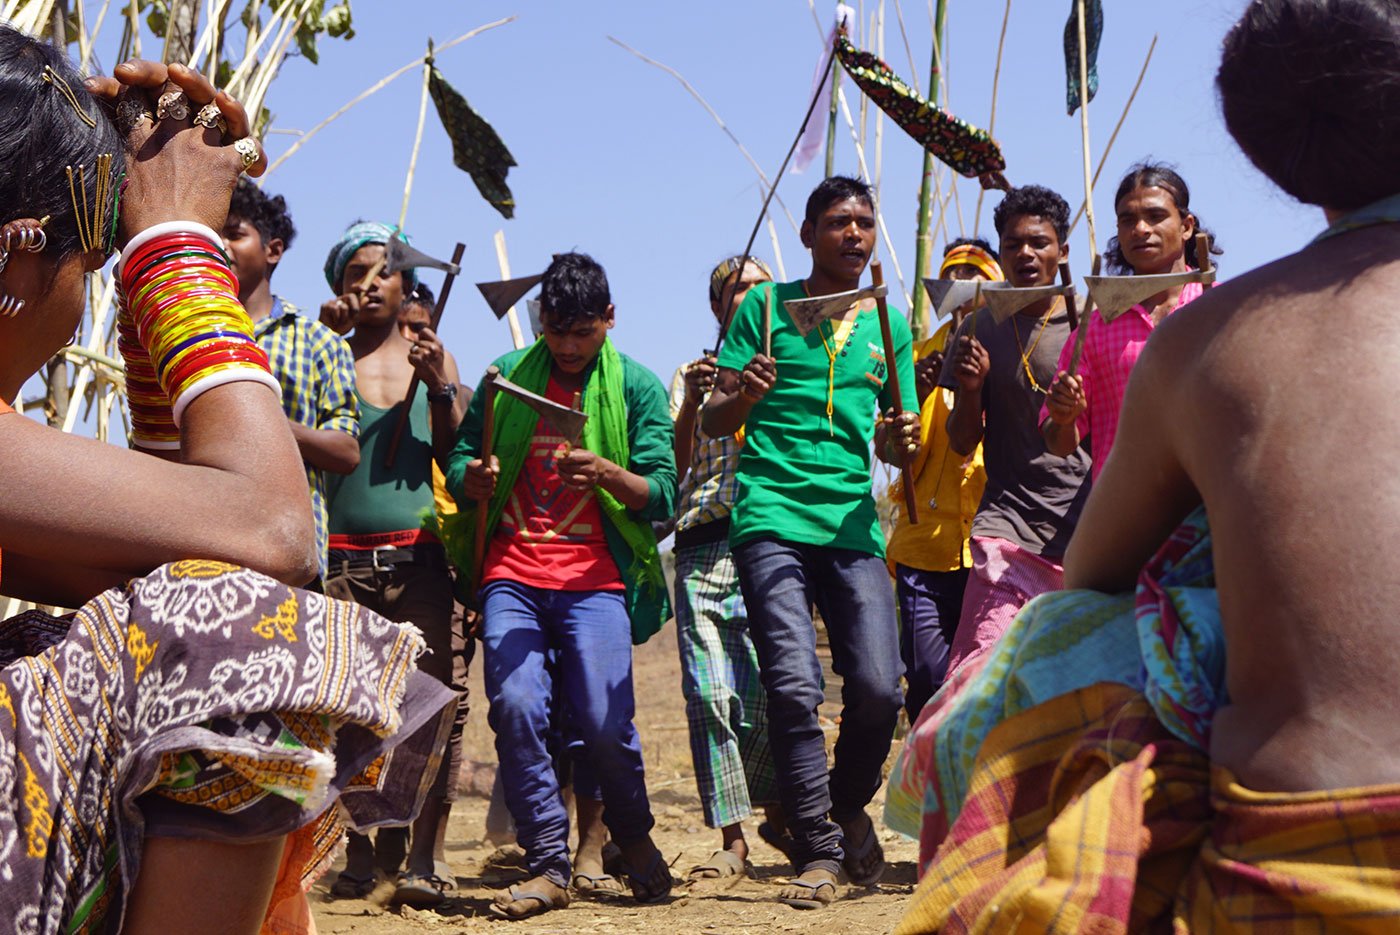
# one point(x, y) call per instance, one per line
point(1003, 301)
point(948, 295)
point(1114, 295)
point(806, 314)
point(504, 294)
point(399, 255)
point(568, 422)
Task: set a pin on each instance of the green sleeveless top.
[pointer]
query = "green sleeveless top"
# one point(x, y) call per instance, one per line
point(373, 498)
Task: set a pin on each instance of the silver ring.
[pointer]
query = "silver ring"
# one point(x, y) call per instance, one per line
point(210, 116)
point(174, 105)
point(248, 149)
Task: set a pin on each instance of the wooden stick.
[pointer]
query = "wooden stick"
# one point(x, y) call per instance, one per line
point(1103, 160)
point(488, 445)
point(517, 337)
point(992, 121)
point(362, 286)
point(393, 451)
point(1203, 261)
point(417, 136)
point(768, 323)
point(877, 276)
point(1082, 330)
point(1084, 130)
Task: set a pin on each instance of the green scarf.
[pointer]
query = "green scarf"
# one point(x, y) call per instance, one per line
point(604, 434)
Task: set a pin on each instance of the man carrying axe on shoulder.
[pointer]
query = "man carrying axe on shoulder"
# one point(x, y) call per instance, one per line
point(568, 569)
point(804, 528)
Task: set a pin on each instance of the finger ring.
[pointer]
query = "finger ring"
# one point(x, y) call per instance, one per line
point(248, 149)
point(210, 116)
point(130, 113)
point(173, 104)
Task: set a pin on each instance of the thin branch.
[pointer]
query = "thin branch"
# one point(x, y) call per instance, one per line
point(992, 121)
point(908, 49)
point(417, 141)
point(1121, 117)
point(376, 87)
point(717, 118)
point(879, 214)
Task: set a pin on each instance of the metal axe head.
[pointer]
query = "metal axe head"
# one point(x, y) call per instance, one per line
point(399, 255)
point(1114, 295)
point(806, 314)
point(504, 294)
point(567, 422)
point(1003, 301)
point(948, 295)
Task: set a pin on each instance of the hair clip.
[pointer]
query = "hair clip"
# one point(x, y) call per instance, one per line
point(92, 222)
point(55, 79)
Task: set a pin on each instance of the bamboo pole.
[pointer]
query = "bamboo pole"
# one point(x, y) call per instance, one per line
point(992, 120)
point(1103, 160)
point(516, 336)
point(1084, 132)
point(879, 214)
point(923, 242)
point(417, 136)
point(831, 116)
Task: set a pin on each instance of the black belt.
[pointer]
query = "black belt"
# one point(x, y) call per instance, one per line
point(704, 534)
point(424, 554)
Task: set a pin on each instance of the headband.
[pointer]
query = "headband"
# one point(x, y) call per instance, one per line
point(360, 235)
point(969, 254)
point(726, 268)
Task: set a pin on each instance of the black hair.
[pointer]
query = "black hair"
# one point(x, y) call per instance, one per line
point(1310, 90)
point(41, 134)
point(833, 189)
point(978, 242)
point(574, 289)
point(1033, 201)
point(1163, 176)
point(421, 295)
point(267, 213)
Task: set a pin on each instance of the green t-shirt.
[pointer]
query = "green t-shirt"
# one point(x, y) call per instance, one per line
point(801, 477)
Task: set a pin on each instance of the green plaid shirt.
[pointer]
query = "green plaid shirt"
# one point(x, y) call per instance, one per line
point(708, 490)
point(317, 373)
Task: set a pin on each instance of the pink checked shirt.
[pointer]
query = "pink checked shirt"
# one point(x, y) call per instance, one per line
point(1110, 351)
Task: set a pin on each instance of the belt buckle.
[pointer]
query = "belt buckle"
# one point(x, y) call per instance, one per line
point(374, 557)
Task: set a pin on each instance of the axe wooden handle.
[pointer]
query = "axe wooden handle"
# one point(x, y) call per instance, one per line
point(1080, 333)
point(402, 424)
point(877, 275)
point(768, 322)
point(488, 447)
point(1203, 253)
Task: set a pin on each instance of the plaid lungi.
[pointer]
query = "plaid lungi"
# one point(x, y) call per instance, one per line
point(725, 705)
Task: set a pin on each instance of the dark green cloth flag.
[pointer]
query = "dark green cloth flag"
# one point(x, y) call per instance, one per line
point(1093, 32)
point(965, 148)
point(476, 148)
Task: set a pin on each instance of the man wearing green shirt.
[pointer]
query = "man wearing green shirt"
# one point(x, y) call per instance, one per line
point(804, 529)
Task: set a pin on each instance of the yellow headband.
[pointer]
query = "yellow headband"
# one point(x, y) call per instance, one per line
point(972, 255)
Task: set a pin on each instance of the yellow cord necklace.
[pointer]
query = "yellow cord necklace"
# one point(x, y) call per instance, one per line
point(1026, 354)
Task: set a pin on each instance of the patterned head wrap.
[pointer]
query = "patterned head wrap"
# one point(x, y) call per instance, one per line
point(969, 254)
point(355, 237)
point(726, 268)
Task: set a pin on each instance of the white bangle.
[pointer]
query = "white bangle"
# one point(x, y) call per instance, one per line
point(222, 378)
point(146, 445)
point(169, 227)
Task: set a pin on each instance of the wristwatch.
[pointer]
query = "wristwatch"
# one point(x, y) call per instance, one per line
point(448, 394)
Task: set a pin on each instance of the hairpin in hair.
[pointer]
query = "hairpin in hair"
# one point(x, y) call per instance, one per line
point(94, 230)
point(55, 79)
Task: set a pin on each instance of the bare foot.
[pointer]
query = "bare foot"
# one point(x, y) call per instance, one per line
point(814, 889)
point(530, 898)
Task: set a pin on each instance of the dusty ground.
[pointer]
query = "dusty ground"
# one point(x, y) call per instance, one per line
point(748, 906)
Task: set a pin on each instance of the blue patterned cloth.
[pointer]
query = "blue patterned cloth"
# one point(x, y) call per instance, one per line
point(356, 236)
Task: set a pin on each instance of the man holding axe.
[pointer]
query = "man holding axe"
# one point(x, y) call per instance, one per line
point(566, 568)
point(804, 527)
point(1001, 365)
point(381, 555)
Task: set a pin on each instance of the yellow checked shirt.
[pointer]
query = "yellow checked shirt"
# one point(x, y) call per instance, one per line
point(947, 487)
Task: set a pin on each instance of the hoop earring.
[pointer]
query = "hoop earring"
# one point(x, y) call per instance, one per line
point(22, 234)
point(10, 306)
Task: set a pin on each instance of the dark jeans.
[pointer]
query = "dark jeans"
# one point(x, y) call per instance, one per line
point(781, 580)
point(930, 604)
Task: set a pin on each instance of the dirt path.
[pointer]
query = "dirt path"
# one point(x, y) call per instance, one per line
point(746, 907)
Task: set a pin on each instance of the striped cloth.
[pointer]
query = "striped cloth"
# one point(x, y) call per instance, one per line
point(725, 705)
point(707, 492)
point(316, 371)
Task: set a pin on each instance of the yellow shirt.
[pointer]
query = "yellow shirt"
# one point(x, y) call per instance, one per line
point(947, 487)
point(446, 506)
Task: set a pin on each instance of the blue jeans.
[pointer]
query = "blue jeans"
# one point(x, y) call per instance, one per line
point(930, 605)
point(590, 636)
point(781, 580)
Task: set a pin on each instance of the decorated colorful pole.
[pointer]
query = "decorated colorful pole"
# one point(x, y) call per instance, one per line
point(923, 242)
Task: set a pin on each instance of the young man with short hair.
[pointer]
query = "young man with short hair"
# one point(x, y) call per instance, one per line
point(312, 363)
point(1000, 374)
point(571, 577)
point(804, 527)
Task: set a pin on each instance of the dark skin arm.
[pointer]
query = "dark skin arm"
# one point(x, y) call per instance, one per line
point(735, 393)
point(436, 368)
point(699, 380)
point(328, 449)
point(1065, 404)
point(926, 371)
point(965, 422)
point(584, 470)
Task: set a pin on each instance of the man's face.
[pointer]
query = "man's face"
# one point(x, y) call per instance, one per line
point(413, 318)
point(751, 277)
point(383, 297)
point(842, 239)
point(1151, 231)
point(965, 272)
point(574, 346)
point(1031, 251)
point(252, 259)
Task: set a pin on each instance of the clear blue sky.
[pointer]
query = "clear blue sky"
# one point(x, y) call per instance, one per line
point(617, 160)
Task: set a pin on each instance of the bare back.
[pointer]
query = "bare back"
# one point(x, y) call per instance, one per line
point(1275, 401)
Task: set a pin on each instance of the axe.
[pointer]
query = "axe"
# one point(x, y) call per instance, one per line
point(399, 256)
point(1004, 300)
point(877, 276)
point(567, 421)
point(948, 295)
point(503, 295)
point(806, 314)
point(488, 444)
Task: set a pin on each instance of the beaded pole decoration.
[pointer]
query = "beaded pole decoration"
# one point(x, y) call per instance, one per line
point(182, 327)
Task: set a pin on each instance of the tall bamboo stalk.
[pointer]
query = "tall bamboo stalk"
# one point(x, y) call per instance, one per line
point(1084, 132)
point(923, 243)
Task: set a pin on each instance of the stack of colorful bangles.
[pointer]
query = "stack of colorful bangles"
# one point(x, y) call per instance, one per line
point(181, 329)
